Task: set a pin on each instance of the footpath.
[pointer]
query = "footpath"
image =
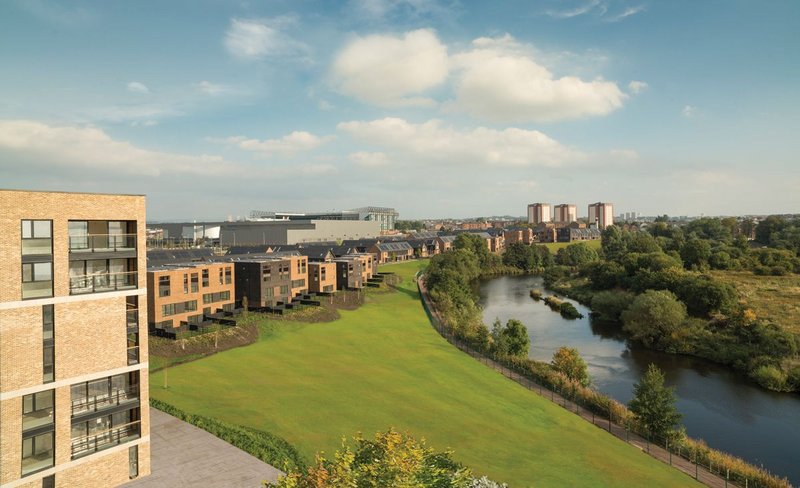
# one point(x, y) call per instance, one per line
point(698, 472)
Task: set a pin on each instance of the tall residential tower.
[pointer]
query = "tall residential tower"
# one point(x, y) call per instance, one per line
point(73, 348)
point(601, 214)
point(538, 213)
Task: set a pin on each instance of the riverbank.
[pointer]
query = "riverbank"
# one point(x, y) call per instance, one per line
point(718, 404)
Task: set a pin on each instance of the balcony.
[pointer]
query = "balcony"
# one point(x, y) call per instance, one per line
point(102, 243)
point(99, 402)
point(83, 446)
point(103, 282)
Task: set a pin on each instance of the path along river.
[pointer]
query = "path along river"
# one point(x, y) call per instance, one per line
point(718, 405)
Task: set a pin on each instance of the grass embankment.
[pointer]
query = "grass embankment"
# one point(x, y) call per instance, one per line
point(384, 366)
point(555, 246)
point(776, 298)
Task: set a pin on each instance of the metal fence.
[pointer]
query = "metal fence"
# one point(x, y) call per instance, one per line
point(696, 464)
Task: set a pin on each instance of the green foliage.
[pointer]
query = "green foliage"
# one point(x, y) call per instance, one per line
point(568, 361)
point(605, 275)
point(770, 377)
point(409, 225)
point(695, 253)
point(521, 256)
point(614, 242)
point(653, 317)
point(391, 459)
point(577, 254)
point(511, 340)
point(568, 311)
point(653, 404)
point(263, 445)
point(474, 243)
point(710, 228)
point(644, 243)
point(609, 305)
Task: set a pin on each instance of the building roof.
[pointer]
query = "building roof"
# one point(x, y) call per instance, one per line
point(447, 238)
point(316, 252)
point(394, 246)
point(172, 256)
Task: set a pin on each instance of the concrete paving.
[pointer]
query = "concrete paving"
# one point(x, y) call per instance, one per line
point(183, 455)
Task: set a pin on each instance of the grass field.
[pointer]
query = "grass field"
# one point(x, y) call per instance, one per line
point(776, 298)
point(384, 366)
point(555, 246)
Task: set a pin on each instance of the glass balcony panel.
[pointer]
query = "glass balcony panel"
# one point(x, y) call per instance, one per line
point(37, 246)
point(99, 440)
point(37, 453)
point(102, 242)
point(37, 289)
point(102, 282)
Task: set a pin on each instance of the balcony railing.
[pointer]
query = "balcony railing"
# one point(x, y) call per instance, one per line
point(100, 402)
point(99, 283)
point(102, 243)
point(83, 446)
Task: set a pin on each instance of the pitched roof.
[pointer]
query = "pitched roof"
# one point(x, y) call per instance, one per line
point(394, 246)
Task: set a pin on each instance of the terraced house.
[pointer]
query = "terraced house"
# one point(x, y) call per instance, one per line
point(390, 252)
point(270, 280)
point(183, 294)
point(73, 369)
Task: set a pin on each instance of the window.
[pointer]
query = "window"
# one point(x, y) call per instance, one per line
point(37, 453)
point(48, 344)
point(103, 393)
point(37, 410)
point(163, 286)
point(167, 310)
point(194, 283)
point(298, 283)
point(284, 289)
point(190, 306)
point(228, 275)
point(221, 276)
point(49, 481)
point(37, 280)
point(185, 283)
point(205, 278)
point(37, 237)
point(207, 311)
point(266, 273)
point(104, 431)
point(133, 462)
point(216, 297)
point(78, 235)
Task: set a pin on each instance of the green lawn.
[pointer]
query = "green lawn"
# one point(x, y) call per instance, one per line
point(384, 366)
point(555, 246)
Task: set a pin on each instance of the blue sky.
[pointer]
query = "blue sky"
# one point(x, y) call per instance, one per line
point(448, 108)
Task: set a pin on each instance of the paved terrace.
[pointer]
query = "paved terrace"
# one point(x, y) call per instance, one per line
point(183, 455)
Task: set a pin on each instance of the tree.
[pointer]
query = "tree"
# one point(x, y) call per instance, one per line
point(521, 256)
point(695, 253)
point(653, 317)
point(767, 227)
point(654, 404)
point(510, 340)
point(576, 255)
point(614, 242)
point(567, 360)
point(609, 305)
point(391, 459)
point(605, 275)
point(474, 243)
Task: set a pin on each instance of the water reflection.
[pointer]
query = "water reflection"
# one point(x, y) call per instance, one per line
point(718, 404)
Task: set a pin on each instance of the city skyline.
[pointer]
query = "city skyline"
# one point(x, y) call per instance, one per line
point(434, 108)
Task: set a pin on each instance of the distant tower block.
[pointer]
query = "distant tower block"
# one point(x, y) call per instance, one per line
point(601, 214)
point(565, 213)
point(538, 213)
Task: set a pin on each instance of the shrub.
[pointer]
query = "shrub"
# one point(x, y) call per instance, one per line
point(568, 311)
point(609, 305)
point(654, 316)
point(769, 377)
point(536, 294)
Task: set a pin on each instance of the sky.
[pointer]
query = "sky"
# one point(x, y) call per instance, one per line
point(436, 108)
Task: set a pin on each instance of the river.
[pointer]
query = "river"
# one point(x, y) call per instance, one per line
point(718, 405)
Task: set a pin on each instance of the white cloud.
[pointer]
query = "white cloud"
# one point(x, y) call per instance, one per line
point(136, 87)
point(389, 71)
point(637, 87)
point(378, 9)
point(297, 141)
point(432, 141)
point(499, 80)
point(369, 159)
point(212, 88)
point(689, 111)
point(602, 9)
point(251, 39)
point(133, 113)
point(90, 147)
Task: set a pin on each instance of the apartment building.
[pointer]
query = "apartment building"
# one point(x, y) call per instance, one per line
point(565, 213)
point(446, 243)
point(73, 369)
point(523, 235)
point(601, 214)
point(538, 213)
point(182, 293)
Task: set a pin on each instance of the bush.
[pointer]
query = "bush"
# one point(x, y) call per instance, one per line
point(263, 445)
point(653, 317)
point(568, 311)
point(536, 294)
point(609, 305)
point(554, 303)
point(769, 377)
